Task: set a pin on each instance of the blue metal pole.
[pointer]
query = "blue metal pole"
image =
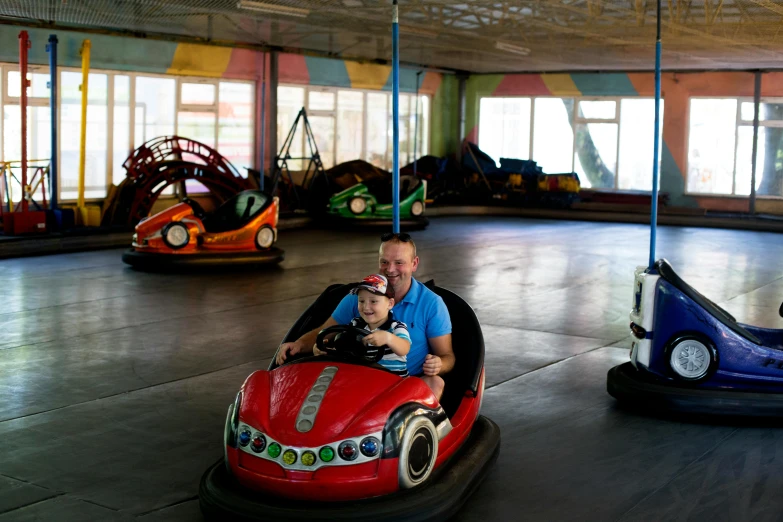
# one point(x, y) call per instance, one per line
point(51, 48)
point(416, 125)
point(395, 118)
point(654, 200)
point(263, 124)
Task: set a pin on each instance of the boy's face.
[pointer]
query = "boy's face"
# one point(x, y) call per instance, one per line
point(374, 308)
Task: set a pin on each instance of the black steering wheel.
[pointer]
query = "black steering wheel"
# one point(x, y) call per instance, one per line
point(345, 341)
point(198, 211)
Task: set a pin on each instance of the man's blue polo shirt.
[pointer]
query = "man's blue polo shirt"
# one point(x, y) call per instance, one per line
point(422, 310)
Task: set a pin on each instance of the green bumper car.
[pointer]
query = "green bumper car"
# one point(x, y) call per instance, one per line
point(370, 203)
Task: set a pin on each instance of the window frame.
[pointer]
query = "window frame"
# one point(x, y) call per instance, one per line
point(574, 120)
point(738, 122)
point(334, 114)
point(5, 99)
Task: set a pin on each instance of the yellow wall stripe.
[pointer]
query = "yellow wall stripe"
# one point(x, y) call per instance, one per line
point(560, 84)
point(200, 60)
point(367, 75)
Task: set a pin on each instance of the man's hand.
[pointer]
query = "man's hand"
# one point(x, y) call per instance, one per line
point(316, 351)
point(432, 365)
point(378, 338)
point(288, 349)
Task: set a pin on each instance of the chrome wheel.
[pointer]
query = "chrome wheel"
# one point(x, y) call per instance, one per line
point(419, 449)
point(176, 235)
point(265, 237)
point(357, 205)
point(690, 359)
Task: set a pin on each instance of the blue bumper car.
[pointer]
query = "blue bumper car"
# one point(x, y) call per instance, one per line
point(691, 356)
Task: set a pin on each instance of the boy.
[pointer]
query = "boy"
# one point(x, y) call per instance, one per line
point(376, 299)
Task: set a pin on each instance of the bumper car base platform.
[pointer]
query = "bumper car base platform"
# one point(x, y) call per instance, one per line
point(637, 389)
point(150, 261)
point(222, 498)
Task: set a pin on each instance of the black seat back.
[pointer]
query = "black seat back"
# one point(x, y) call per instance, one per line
point(467, 341)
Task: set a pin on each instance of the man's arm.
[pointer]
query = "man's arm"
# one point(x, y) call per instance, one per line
point(303, 344)
point(441, 359)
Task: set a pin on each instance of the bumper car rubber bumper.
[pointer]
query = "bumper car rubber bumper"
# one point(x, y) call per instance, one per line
point(222, 498)
point(641, 390)
point(153, 260)
point(413, 223)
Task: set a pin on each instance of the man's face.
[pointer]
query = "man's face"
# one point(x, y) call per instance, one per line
point(397, 263)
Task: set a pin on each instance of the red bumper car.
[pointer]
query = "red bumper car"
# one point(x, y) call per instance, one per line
point(243, 230)
point(337, 437)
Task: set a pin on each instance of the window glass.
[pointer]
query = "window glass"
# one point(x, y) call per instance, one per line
point(320, 101)
point(767, 111)
point(121, 146)
point(404, 137)
point(235, 124)
point(553, 137)
point(423, 129)
point(595, 154)
point(198, 94)
point(323, 132)
point(350, 125)
point(290, 101)
point(96, 139)
point(155, 108)
point(504, 127)
point(598, 109)
point(711, 145)
point(637, 129)
point(39, 87)
point(377, 130)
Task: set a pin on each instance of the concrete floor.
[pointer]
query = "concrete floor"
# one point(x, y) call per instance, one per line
point(114, 383)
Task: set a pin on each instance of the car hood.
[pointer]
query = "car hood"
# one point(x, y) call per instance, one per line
point(350, 192)
point(154, 223)
point(358, 401)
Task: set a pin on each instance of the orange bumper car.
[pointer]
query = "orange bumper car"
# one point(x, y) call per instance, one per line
point(243, 230)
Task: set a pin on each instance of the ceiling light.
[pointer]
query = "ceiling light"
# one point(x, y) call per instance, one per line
point(273, 8)
point(503, 46)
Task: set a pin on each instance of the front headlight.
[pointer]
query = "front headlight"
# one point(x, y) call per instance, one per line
point(356, 450)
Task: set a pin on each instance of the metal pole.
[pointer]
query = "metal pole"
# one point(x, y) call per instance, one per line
point(654, 200)
point(263, 122)
point(83, 131)
point(416, 125)
point(51, 48)
point(395, 118)
point(756, 106)
point(24, 44)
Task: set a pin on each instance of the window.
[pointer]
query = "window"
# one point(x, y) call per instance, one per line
point(351, 124)
point(121, 139)
point(155, 108)
point(38, 118)
point(720, 147)
point(235, 124)
point(606, 140)
point(97, 146)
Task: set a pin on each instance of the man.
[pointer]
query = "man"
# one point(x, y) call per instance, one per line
point(420, 308)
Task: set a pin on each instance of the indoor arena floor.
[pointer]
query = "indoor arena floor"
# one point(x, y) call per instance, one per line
point(114, 383)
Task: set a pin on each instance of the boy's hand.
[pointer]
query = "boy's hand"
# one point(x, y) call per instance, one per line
point(316, 351)
point(379, 338)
